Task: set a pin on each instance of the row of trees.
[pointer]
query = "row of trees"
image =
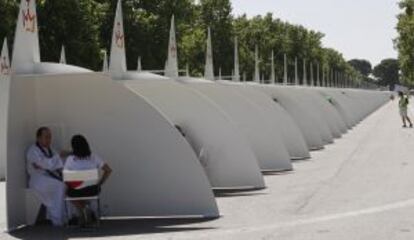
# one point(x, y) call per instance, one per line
point(405, 40)
point(386, 73)
point(85, 28)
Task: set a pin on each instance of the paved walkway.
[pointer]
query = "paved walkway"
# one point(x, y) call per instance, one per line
point(361, 187)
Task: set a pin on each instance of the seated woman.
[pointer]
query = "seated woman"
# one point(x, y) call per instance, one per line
point(82, 159)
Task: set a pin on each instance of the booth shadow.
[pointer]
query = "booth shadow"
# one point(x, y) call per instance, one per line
point(279, 173)
point(228, 193)
point(113, 228)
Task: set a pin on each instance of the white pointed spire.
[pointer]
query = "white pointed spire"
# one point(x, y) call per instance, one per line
point(236, 77)
point(296, 72)
point(305, 81)
point(26, 40)
point(285, 70)
point(318, 79)
point(62, 55)
point(220, 76)
point(312, 79)
point(187, 70)
point(105, 67)
point(139, 64)
point(323, 83)
point(4, 60)
point(332, 80)
point(171, 69)
point(117, 63)
point(272, 69)
point(209, 68)
point(256, 65)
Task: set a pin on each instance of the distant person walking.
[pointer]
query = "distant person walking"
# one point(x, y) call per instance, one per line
point(403, 105)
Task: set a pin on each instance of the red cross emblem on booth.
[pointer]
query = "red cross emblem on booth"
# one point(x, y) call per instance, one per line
point(29, 19)
point(4, 66)
point(119, 36)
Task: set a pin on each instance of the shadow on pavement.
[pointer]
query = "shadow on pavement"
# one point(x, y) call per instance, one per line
point(111, 228)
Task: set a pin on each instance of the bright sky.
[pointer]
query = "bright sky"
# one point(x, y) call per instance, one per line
point(358, 29)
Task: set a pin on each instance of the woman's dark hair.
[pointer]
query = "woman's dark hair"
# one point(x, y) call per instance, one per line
point(80, 147)
point(400, 94)
point(40, 131)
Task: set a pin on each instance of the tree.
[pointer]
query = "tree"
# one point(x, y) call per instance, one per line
point(85, 28)
point(405, 40)
point(362, 66)
point(387, 72)
point(216, 14)
point(75, 24)
point(8, 13)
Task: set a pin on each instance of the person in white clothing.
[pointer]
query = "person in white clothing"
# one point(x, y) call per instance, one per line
point(44, 167)
point(83, 159)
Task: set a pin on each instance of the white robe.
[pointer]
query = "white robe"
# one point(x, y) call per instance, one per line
point(50, 191)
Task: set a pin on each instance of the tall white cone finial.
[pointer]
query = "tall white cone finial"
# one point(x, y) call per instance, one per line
point(139, 65)
point(256, 65)
point(236, 75)
point(171, 69)
point(5, 69)
point(285, 70)
point(312, 79)
point(105, 66)
point(331, 80)
point(220, 76)
point(117, 63)
point(305, 81)
point(62, 56)
point(272, 69)
point(323, 83)
point(209, 68)
point(26, 41)
point(318, 83)
point(296, 72)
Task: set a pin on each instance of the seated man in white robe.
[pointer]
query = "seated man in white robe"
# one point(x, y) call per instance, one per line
point(44, 166)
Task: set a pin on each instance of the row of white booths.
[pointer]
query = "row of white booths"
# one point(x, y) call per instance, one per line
point(170, 140)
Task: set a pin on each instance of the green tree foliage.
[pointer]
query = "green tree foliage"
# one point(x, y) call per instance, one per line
point(75, 24)
point(8, 16)
point(216, 14)
point(362, 66)
point(405, 40)
point(387, 72)
point(85, 28)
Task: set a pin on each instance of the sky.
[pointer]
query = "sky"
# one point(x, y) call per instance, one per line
point(362, 29)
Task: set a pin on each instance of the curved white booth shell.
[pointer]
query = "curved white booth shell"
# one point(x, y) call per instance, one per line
point(281, 122)
point(332, 113)
point(305, 120)
point(156, 172)
point(353, 105)
point(342, 105)
point(223, 150)
point(324, 113)
point(266, 141)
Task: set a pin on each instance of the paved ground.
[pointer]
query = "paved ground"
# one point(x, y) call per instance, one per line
point(361, 187)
